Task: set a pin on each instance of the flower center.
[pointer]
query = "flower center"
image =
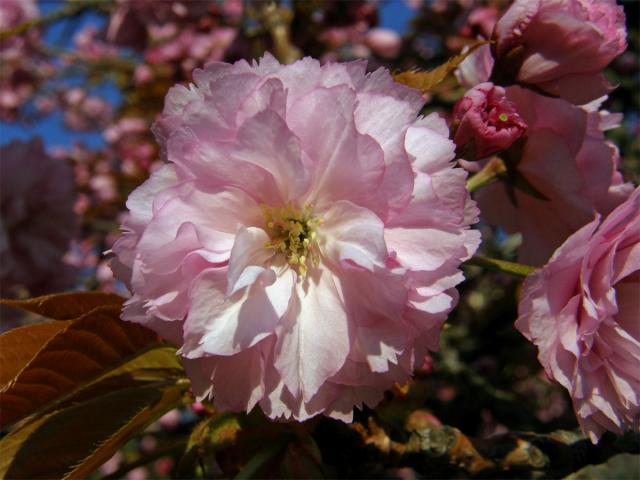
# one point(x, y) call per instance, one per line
point(293, 232)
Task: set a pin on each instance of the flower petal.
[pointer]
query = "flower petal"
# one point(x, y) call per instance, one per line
point(352, 233)
point(313, 337)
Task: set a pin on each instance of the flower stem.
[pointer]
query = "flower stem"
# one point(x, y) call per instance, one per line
point(517, 269)
point(491, 172)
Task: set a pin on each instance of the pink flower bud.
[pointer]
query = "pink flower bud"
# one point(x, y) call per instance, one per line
point(488, 119)
point(560, 46)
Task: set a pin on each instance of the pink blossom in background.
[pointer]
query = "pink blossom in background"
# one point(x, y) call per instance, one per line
point(142, 74)
point(582, 312)
point(131, 145)
point(111, 465)
point(302, 244)
point(384, 42)
point(130, 22)
point(19, 70)
point(192, 47)
point(566, 158)
point(480, 22)
point(12, 14)
point(36, 218)
point(344, 25)
point(485, 118)
point(91, 46)
point(139, 473)
point(123, 127)
point(565, 45)
point(83, 111)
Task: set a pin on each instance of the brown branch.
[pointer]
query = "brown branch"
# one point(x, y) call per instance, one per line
point(555, 454)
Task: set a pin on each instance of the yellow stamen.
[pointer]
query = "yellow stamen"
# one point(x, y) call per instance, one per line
point(293, 232)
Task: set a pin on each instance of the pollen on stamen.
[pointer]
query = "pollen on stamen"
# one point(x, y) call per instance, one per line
point(293, 232)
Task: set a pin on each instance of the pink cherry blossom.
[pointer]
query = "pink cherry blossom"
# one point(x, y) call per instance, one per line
point(37, 220)
point(302, 244)
point(566, 159)
point(486, 119)
point(581, 311)
point(561, 46)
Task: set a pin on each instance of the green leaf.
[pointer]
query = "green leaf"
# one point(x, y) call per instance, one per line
point(426, 81)
point(73, 442)
point(20, 345)
point(86, 350)
point(65, 306)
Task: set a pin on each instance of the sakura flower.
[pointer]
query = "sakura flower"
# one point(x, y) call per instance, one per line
point(567, 160)
point(488, 121)
point(560, 46)
point(302, 244)
point(581, 311)
point(36, 218)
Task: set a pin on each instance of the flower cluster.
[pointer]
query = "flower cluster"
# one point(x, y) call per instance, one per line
point(578, 309)
point(566, 171)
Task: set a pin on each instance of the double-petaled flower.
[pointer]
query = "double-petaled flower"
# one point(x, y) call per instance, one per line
point(302, 243)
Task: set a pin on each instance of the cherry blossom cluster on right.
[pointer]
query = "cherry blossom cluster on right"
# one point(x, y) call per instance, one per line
point(535, 96)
